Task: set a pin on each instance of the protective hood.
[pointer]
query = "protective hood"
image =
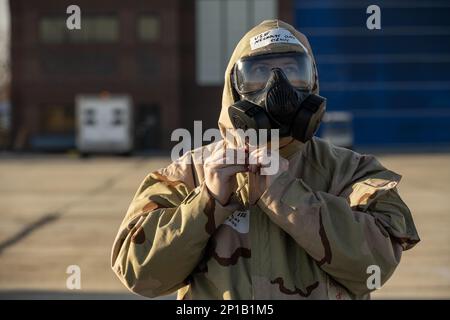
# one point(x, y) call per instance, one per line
point(257, 41)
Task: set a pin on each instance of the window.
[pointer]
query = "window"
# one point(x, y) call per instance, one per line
point(148, 64)
point(52, 30)
point(148, 28)
point(117, 118)
point(89, 118)
point(98, 28)
point(220, 24)
point(93, 62)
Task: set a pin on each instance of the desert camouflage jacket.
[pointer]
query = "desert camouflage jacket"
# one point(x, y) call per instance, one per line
point(312, 234)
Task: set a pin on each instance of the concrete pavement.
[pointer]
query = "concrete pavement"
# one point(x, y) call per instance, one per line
point(59, 210)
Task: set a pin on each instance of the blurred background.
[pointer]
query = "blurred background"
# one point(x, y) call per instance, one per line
point(86, 114)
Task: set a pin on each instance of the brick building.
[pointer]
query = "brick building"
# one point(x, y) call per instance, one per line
point(169, 56)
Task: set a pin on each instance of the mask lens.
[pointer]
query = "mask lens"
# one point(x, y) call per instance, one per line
point(251, 74)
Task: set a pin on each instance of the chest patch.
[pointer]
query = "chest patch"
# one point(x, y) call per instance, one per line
point(239, 221)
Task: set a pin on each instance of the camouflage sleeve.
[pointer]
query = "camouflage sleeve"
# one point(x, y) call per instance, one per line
point(366, 225)
point(163, 235)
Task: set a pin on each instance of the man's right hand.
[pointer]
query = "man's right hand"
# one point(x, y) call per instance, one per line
point(220, 170)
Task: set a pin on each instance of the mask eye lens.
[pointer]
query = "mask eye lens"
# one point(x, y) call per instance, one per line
point(291, 71)
point(252, 73)
point(260, 70)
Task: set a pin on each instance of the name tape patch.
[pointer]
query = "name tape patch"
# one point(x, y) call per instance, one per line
point(239, 221)
point(274, 36)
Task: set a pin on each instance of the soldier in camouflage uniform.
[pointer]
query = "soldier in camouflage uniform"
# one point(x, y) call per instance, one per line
point(310, 232)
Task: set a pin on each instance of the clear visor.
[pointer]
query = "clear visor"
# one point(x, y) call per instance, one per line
point(252, 73)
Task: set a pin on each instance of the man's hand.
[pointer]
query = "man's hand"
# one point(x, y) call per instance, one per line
point(258, 181)
point(220, 170)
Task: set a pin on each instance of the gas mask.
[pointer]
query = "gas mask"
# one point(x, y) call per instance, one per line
point(275, 93)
